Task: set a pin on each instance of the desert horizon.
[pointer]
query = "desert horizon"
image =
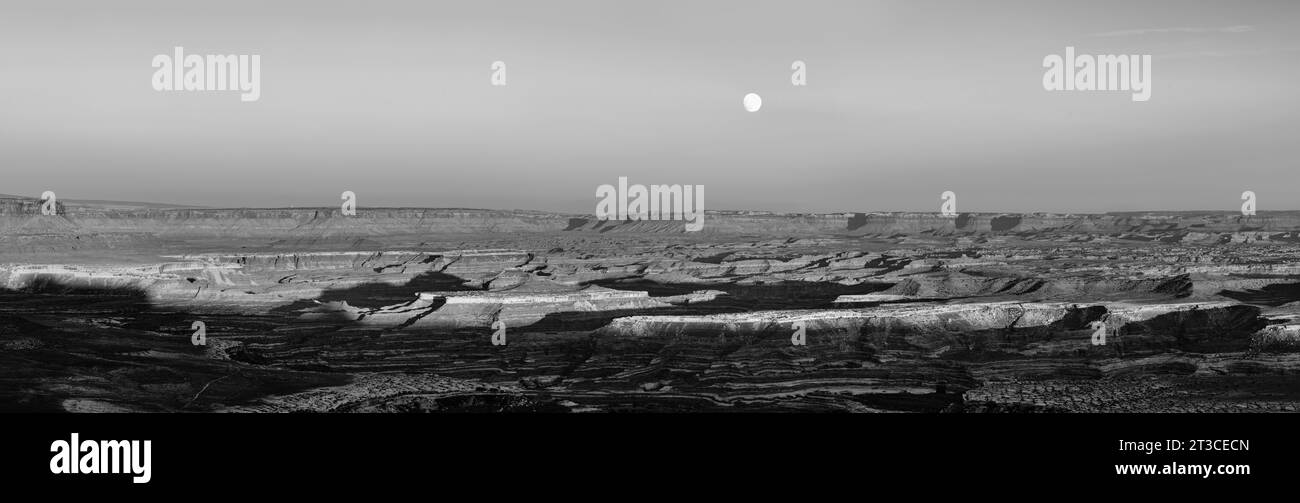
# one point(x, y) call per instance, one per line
point(973, 245)
point(82, 203)
point(518, 310)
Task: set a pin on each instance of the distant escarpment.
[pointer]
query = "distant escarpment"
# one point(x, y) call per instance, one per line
point(22, 217)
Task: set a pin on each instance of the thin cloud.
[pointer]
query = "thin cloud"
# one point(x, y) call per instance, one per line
point(1182, 29)
point(1225, 54)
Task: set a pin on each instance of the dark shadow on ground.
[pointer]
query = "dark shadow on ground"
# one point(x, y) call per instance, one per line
point(1271, 295)
point(374, 295)
point(739, 299)
point(67, 346)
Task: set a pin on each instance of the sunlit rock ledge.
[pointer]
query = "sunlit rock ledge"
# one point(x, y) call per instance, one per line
point(513, 298)
point(1025, 327)
point(479, 309)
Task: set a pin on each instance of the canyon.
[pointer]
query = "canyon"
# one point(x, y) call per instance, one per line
point(394, 310)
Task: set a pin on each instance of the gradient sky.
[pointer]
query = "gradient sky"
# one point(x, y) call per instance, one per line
point(905, 99)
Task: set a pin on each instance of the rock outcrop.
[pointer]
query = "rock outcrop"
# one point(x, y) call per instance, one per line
point(454, 309)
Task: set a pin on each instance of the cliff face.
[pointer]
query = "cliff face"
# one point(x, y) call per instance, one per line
point(22, 217)
point(15, 219)
point(306, 309)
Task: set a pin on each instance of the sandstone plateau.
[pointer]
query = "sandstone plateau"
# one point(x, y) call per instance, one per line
point(397, 309)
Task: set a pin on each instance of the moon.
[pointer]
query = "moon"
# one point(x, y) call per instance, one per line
point(753, 102)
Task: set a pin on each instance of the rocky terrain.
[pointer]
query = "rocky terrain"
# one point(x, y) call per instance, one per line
point(408, 309)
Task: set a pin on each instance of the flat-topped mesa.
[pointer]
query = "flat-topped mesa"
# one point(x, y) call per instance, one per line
point(156, 283)
point(287, 222)
point(1177, 224)
point(1027, 329)
point(514, 298)
point(479, 309)
point(198, 286)
point(18, 277)
point(22, 216)
point(1002, 281)
point(871, 298)
point(377, 260)
point(979, 315)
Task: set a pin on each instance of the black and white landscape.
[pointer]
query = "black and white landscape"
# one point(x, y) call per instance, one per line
point(932, 207)
point(396, 309)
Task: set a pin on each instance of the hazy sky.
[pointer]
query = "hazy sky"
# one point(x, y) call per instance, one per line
point(905, 99)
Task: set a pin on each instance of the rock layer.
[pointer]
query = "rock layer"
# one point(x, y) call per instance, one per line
point(397, 309)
